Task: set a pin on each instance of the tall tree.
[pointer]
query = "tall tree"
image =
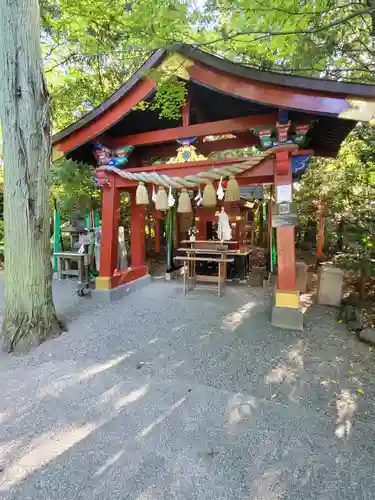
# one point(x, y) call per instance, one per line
point(25, 117)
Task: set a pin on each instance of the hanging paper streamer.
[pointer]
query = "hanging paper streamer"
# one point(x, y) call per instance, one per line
point(171, 200)
point(153, 197)
point(220, 190)
point(199, 197)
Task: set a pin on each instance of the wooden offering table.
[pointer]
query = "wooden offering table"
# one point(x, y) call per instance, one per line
point(208, 243)
point(239, 268)
point(200, 255)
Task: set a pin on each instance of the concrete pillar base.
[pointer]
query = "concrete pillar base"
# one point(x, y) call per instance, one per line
point(287, 317)
point(107, 296)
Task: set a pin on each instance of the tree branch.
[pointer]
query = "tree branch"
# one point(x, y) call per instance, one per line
point(64, 61)
point(308, 31)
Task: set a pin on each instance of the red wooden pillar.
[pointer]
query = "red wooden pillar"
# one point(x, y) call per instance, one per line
point(137, 232)
point(109, 240)
point(320, 238)
point(286, 293)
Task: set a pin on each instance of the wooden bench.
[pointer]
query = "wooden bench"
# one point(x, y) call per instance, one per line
point(191, 278)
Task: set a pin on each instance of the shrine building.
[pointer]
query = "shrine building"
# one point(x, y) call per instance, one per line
point(282, 120)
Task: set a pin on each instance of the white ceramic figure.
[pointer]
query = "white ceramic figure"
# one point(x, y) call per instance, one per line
point(224, 231)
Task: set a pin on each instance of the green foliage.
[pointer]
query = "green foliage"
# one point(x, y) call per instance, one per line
point(91, 47)
point(169, 98)
point(347, 185)
point(73, 187)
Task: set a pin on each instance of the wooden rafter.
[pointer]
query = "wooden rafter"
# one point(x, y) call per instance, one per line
point(202, 129)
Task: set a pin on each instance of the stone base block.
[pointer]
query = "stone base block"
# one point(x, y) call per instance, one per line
point(329, 290)
point(121, 291)
point(257, 276)
point(287, 317)
point(301, 273)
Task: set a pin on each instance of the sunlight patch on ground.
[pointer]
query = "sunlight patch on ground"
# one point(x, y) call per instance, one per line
point(57, 386)
point(160, 419)
point(306, 301)
point(111, 461)
point(49, 446)
point(101, 367)
point(180, 327)
point(268, 487)
point(153, 341)
point(289, 369)
point(42, 450)
point(145, 496)
point(240, 408)
point(233, 320)
point(346, 405)
point(132, 397)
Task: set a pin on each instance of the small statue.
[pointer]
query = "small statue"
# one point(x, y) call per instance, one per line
point(224, 231)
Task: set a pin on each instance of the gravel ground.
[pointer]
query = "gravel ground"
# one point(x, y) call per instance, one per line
point(162, 396)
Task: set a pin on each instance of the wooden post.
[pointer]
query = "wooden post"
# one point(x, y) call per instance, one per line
point(157, 235)
point(109, 241)
point(319, 251)
point(137, 232)
point(286, 294)
point(320, 238)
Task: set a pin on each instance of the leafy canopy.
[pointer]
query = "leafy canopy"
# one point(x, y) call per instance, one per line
point(92, 46)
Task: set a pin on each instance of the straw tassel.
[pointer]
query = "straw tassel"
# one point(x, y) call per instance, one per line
point(161, 202)
point(141, 195)
point(233, 190)
point(209, 195)
point(184, 203)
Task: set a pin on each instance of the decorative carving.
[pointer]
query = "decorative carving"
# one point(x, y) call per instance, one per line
point(116, 158)
point(265, 137)
point(187, 152)
point(282, 132)
point(301, 131)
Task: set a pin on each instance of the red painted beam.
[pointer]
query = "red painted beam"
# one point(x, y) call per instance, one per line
point(205, 148)
point(273, 95)
point(103, 122)
point(202, 129)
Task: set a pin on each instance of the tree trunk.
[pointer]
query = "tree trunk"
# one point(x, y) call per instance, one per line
point(29, 316)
